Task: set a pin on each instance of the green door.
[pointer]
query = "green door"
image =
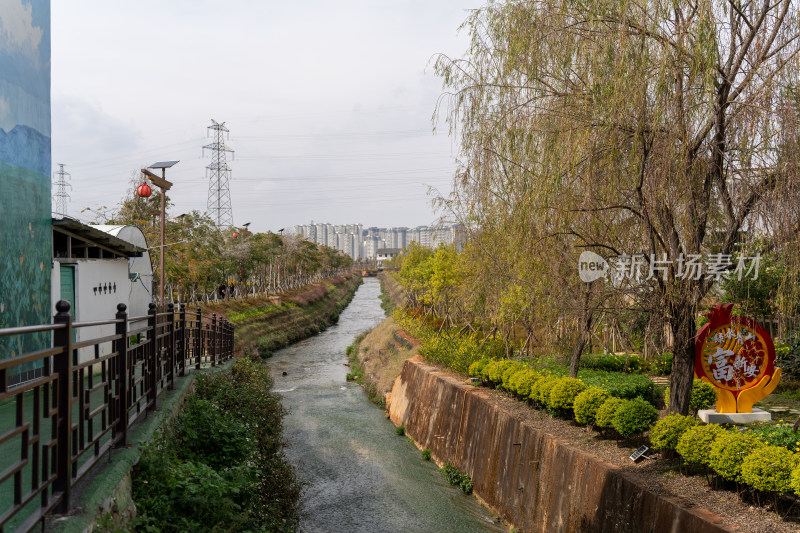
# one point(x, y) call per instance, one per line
point(68, 291)
point(68, 287)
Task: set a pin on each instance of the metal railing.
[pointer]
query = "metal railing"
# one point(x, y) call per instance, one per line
point(86, 395)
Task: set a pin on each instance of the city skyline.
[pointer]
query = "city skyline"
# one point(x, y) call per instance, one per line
point(365, 243)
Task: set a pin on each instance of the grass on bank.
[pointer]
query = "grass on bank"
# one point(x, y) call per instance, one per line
point(356, 373)
point(264, 328)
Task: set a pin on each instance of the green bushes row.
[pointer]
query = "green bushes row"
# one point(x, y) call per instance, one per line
point(220, 466)
point(612, 362)
point(508, 375)
point(626, 386)
point(633, 363)
point(626, 417)
point(569, 397)
point(746, 457)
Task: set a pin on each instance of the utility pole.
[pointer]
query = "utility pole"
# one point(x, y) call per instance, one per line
point(60, 196)
point(165, 186)
point(219, 192)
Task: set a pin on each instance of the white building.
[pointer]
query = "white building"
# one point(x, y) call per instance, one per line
point(385, 254)
point(95, 268)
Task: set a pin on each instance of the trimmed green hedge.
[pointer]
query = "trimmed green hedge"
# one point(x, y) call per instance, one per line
point(634, 417)
point(607, 411)
point(694, 445)
point(563, 394)
point(667, 431)
point(587, 403)
point(769, 469)
point(627, 386)
point(729, 451)
point(612, 362)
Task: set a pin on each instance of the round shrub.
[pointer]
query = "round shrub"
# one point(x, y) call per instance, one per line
point(667, 431)
point(522, 381)
point(729, 451)
point(508, 371)
point(497, 370)
point(540, 391)
point(513, 381)
point(476, 368)
point(605, 414)
point(634, 416)
point(703, 396)
point(491, 369)
point(769, 469)
point(587, 403)
point(695, 443)
point(563, 393)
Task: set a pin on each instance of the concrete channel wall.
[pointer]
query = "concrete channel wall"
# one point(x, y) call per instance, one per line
point(533, 480)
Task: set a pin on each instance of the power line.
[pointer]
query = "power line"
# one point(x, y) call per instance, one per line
point(60, 196)
point(219, 192)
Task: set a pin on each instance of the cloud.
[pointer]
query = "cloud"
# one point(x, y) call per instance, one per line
point(87, 128)
point(18, 35)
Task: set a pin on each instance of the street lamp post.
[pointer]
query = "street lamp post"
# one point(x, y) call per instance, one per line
point(164, 185)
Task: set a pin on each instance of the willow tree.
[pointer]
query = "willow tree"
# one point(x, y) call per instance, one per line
point(648, 127)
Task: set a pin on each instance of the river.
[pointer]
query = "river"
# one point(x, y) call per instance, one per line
point(359, 475)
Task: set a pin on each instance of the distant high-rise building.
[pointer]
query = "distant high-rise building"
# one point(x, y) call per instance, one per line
point(360, 243)
point(331, 235)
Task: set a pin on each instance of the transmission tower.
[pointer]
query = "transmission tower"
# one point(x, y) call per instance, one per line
point(219, 173)
point(60, 195)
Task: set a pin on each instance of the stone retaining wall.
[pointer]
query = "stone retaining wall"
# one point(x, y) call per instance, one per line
point(534, 480)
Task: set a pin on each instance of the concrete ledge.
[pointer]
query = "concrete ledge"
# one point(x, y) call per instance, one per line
point(711, 416)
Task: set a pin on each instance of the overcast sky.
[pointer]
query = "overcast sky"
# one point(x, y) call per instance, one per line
point(328, 104)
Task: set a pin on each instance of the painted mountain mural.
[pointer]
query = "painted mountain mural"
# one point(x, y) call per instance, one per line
point(23, 147)
point(25, 167)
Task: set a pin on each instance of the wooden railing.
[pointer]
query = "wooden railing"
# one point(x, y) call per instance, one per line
point(86, 394)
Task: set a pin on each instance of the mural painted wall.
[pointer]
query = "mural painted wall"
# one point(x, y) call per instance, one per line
point(25, 233)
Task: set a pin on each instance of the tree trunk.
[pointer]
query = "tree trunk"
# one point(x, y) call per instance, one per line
point(577, 350)
point(584, 331)
point(682, 377)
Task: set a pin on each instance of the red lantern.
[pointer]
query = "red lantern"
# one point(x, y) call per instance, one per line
point(235, 234)
point(144, 190)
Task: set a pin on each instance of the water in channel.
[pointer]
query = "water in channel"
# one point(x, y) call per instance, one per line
point(359, 475)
